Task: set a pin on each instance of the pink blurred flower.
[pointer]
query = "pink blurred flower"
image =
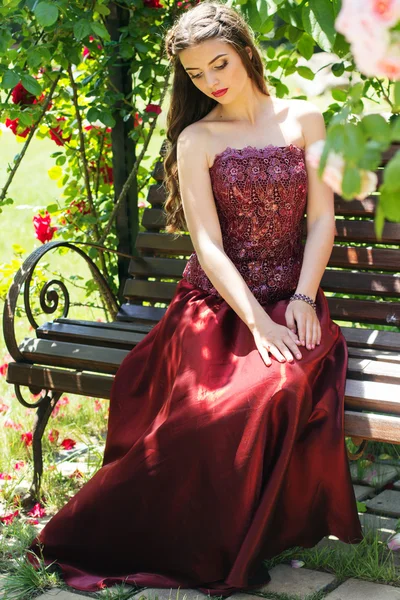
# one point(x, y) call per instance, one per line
point(86, 52)
point(12, 424)
point(394, 542)
point(32, 521)
point(19, 465)
point(333, 172)
point(97, 405)
point(63, 401)
point(5, 476)
point(366, 26)
point(3, 407)
point(3, 369)
point(8, 519)
point(37, 511)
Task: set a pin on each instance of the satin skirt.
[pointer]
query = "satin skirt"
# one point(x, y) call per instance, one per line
point(213, 461)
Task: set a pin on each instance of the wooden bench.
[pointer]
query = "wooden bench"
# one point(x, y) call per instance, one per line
point(79, 356)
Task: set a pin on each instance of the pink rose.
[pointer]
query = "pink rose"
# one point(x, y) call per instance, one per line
point(333, 172)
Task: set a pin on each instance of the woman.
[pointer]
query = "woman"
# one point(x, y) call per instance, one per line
point(225, 440)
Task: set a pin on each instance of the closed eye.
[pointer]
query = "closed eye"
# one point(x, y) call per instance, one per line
point(220, 67)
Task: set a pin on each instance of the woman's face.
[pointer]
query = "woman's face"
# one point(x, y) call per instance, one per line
point(214, 65)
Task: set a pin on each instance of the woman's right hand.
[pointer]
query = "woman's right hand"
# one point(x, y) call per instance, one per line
point(277, 340)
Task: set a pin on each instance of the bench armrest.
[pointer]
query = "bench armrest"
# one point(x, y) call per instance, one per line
point(49, 296)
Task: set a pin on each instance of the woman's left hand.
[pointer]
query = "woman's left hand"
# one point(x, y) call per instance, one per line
point(304, 316)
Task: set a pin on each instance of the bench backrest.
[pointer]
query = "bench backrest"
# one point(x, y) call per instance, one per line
point(360, 265)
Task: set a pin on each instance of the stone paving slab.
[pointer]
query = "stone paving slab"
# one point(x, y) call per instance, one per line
point(385, 526)
point(169, 594)
point(396, 485)
point(387, 502)
point(376, 475)
point(363, 491)
point(61, 595)
point(287, 580)
point(356, 589)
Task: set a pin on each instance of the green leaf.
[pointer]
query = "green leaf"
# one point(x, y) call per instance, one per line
point(361, 507)
point(305, 46)
point(99, 29)
point(339, 95)
point(34, 57)
point(293, 34)
point(351, 182)
point(396, 94)
point(395, 135)
point(318, 22)
point(93, 114)
point(305, 72)
point(107, 119)
point(52, 208)
point(102, 9)
point(31, 84)
point(391, 177)
point(376, 127)
point(5, 40)
point(379, 222)
point(389, 200)
point(82, 29)
point(46, 13)
point(341, 47)
point(10, 79)
point(271, 52)
point(353, 142)
point(338, 69)
point(25, 118)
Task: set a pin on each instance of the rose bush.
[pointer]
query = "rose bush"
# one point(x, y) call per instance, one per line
point(57, 66)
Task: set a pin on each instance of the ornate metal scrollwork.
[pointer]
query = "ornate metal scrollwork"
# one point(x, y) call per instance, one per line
point(360, 450)
point(49, 297)
point(22, 400)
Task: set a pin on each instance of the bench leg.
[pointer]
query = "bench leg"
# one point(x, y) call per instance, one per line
point(362, 444)
point(45, 407)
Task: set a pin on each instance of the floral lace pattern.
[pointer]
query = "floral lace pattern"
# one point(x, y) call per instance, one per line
point(260, 196)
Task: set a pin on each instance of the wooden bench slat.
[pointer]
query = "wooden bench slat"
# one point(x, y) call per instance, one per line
point(113, 325)
point(52, 378)
point(377, 396)
point(371, 338)
point(382, 259)
point(75, 356)
point(368, 311)
point(363, 230)
point(380, 428)
point(91, 336)
point(333, 280)
point(364, 311)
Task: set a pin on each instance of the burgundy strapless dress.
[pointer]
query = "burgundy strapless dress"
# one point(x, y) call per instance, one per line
point(214, 461)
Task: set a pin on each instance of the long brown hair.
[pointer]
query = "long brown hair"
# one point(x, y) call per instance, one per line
point(205, 21)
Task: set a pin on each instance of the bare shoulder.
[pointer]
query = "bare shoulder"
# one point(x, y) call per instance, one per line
point(310, 118)
point(192, 143)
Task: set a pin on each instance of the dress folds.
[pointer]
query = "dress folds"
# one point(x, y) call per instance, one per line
point(214, 461)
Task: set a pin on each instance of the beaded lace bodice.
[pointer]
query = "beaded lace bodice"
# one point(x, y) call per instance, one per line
point(260, 196)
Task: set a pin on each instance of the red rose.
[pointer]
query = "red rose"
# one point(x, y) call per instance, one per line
point(20, 95)
point(3, 369)
point(107, 173)
point(53, 435)
point(27, 438)
point(68, 443)
point(13, 125)
point(86, 51)
point(56, 134)
point(152, 4)
point(153, 108)
point(137, 120)
point(43, 230)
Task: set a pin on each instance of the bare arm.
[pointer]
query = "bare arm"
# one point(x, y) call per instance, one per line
point(204, 228)
point(320, 211)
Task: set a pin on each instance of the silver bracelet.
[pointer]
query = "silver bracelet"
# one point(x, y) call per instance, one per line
point(305, 298)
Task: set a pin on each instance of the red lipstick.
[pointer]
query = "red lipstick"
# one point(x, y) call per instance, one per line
point(219, 93)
